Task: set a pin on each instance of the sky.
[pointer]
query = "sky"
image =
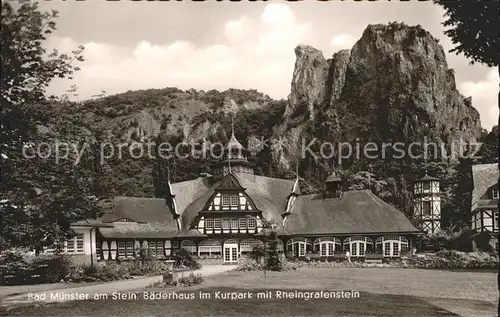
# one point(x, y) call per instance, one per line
point(221, 45)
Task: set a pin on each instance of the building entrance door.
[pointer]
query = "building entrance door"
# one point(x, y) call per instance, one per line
point(231, 251)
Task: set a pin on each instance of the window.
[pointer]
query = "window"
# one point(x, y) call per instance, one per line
point(495, 215)
point(70, 246)
point(252, 223)
point(234, 200)
point(152, 248)
point(326, 246)
point(426, 185)
point(225, 223)
point(210, 247)
point(225, 199)
point(189, 246)
point(387, 248)
point(248, 245)
point(494, 193)
point(79, 243)
point(302, 249)
point(217, 223)
point(75, 244)
point(426, 208)
point(234, 223)
point(129, 249)
point(121, 249)
point(392, 246)
point(357, 245)
point(209, 224)
point(299, 246)
point(243, 223)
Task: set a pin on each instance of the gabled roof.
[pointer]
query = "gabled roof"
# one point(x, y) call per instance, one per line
point(150, 217)
point(357, 212)
point(229, 182)
point(484, 177)
point(268, 194)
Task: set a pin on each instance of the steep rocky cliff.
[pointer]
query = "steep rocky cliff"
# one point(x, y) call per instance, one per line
point(393, 85)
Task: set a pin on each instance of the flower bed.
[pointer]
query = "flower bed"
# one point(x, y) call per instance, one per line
point(449, 259)
point(183, 281)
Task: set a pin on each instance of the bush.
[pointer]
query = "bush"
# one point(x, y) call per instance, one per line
point(184, 259)
point(57, 268)
point(102, 272)
point(17, 268)
point(247, 263)
point(190, 280)
point(451, 259)
point(151, 267)
point(446, 240)
point(183, 281)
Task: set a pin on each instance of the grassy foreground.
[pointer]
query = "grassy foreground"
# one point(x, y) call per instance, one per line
point(383, 292)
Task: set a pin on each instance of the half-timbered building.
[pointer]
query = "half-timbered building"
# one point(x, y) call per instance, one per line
point(484, 205)
point(221, 217)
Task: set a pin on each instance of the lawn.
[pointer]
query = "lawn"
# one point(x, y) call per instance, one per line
point(382, 292)
point(23, 289)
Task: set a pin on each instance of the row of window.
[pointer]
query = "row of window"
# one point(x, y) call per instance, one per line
point(214, 247)
point(231, 223)
point(73, 245)
point(130, 249)
point(357, 246)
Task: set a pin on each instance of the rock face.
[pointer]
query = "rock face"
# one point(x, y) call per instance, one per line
point(393, 85)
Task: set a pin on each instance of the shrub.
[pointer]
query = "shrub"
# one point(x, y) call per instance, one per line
point(446, 240)
point(19, 269)
point(451, 259)
point(482, 240)
point(184, 259)
point(247, 263)
point(190, 280)
point(111, 272)
point(152, 267)
point(102, 272)
point(57, 268)
point(184, 281)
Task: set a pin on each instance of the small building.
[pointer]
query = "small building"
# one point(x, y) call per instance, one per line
point(427, 203)
point(222, 216)
point(484, 204)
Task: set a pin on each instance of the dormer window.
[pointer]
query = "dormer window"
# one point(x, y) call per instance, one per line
point(494, 193)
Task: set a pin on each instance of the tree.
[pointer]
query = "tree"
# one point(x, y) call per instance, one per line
point(473, 29)
point(269, 250)
point(41, 197)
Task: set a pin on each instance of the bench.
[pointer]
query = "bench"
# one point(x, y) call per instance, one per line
point(373, 261)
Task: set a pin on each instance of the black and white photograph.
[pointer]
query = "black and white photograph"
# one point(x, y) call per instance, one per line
point(249, 158)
